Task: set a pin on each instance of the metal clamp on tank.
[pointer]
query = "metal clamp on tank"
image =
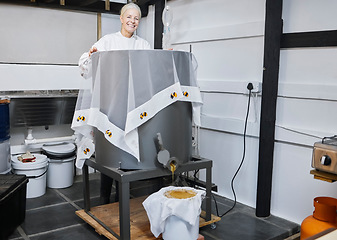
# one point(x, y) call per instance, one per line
point(163, 156)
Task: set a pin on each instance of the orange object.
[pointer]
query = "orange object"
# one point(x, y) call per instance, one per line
point(201, 237)
point(324, 217)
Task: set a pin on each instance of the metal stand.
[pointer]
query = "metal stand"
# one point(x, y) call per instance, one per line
point(125, 177)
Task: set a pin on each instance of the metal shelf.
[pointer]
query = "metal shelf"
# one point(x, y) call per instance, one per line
point(125, 177)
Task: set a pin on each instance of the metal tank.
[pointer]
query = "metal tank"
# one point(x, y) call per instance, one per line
point(173, 123)
point(175, 126)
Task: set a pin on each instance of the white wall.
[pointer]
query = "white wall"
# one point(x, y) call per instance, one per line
point(227, 40)
point(41, 47)
point(306, 103)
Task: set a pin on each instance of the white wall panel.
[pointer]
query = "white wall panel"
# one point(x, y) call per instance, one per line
point(110, 23)
point(307, 116)
point(227, 40)
point(309, 15)
point(251, 29)
point(226, 151)
point(201, 14)
point(239, 60)
point(39, 35)
point(294, 188)
point(309, 66)
point(227, 106)
point(16, 77)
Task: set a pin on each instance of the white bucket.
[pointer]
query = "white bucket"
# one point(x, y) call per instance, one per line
point(5, 157)
point(61, 164)
point(60, 173)
point(35, 172)
point(178, 229)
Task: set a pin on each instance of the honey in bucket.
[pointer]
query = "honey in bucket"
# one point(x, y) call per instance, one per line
point(180, 194)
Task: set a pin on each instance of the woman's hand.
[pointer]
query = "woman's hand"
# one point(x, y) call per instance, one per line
point(92, 50)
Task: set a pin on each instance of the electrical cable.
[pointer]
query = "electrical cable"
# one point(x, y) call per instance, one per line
point(250, 87)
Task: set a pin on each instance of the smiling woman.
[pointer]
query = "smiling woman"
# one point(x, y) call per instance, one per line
point(125, 39)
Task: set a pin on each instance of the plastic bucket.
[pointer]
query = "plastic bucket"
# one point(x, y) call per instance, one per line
point(35, 172)
point(174, 226)
point(61, 164)
point(5, 157)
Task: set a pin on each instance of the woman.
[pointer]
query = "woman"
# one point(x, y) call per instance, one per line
point(125, 39)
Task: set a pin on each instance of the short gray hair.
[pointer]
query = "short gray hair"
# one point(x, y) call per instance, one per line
point(130, 6)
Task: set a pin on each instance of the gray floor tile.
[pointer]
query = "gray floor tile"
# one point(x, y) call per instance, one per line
point(82, 232)
point(240, 226)
point(49, 198)
point(50, 218)
point(75, 192)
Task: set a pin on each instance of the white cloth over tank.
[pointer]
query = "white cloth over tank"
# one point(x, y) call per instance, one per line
point(129, 87)
point(159, 208)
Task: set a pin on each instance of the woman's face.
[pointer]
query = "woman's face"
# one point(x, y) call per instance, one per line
point(130, 21)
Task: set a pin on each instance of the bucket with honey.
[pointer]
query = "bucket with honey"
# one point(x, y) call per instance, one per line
point(174, 212)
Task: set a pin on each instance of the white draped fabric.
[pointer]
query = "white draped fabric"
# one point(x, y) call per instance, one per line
point(128, 88)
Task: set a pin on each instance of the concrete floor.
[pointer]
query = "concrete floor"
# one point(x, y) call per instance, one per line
point(52, 216)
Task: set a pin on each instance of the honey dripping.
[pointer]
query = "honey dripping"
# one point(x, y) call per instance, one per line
point(173, 168)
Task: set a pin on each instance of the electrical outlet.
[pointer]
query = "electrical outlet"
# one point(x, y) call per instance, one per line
point(257, 87)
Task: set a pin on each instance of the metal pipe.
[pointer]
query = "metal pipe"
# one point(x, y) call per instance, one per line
point(46, 140)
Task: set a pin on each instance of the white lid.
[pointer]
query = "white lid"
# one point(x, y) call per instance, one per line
point(59, 148)
point(40, 162)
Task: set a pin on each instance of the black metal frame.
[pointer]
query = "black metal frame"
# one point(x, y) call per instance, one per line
point(125, 177)
point(272, 39)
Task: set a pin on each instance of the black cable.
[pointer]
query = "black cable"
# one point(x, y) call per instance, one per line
point(250, 87)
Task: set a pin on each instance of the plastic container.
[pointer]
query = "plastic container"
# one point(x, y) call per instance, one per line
point(12, 203)
point(61, 164)
point(35, 172)
point(4, 119)
point(5, 157)
point(175, 226)
point(323, 218)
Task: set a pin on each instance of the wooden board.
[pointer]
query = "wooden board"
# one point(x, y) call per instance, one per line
point(324, 176)
point(139, 222)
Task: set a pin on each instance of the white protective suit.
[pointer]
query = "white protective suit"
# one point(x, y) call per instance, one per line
point(113, 41)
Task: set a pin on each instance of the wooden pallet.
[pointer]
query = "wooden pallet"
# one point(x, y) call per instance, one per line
point(139, 223)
